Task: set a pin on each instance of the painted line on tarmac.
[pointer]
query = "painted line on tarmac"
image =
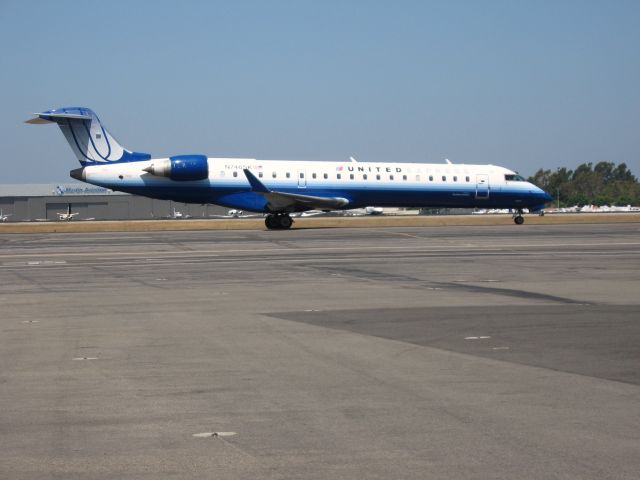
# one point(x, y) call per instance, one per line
point(429, 248)
point(63, 237)
point(176, 259)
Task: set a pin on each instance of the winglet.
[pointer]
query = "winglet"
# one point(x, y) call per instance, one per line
point(256, 185)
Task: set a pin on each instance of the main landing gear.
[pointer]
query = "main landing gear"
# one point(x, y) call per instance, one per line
point(517, 217)
point(279, 221)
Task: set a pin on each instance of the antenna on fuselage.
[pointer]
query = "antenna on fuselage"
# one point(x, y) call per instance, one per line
point(353, 160)
point(448, 161)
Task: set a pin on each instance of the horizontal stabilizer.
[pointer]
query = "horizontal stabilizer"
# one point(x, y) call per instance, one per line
point(38, 121)
point(52, 117)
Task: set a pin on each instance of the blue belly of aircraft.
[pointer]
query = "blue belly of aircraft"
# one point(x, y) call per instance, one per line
point(245, 199)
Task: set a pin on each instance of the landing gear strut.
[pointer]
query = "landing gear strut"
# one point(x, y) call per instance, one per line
point(279, 221)
point(517, 217)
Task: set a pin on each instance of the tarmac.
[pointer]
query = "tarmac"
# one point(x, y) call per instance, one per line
point(452, 352)
point(368, 221)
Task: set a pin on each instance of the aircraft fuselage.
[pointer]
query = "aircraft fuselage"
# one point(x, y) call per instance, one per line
point(361, 183)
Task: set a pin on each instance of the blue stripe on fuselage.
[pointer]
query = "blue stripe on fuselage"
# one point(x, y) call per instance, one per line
point(235, 196)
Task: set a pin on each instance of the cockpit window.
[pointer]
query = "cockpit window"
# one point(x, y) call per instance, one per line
point(509, 177)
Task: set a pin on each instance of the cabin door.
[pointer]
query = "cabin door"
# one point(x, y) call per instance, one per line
point(482, 186)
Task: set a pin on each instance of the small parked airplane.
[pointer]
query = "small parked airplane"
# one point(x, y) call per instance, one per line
point(280, 188)
point(67, 216)
point(233, 213)
point(4, 216)
point(176, 215)
point(373, 210)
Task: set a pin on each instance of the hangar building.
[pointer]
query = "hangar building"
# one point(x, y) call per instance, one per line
point(39, 202)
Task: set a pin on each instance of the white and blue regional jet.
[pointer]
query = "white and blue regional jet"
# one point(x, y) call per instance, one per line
point(279, 188)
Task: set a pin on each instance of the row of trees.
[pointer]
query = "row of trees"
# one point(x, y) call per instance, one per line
point(602, 184)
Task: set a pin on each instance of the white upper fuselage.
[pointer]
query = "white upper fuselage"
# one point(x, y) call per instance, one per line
point(277, 174)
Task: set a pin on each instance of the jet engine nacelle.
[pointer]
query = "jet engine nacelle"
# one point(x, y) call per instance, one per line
point(180, 167)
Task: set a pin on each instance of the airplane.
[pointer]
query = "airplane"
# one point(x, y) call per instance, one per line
point(279, 188)
point(308, 213)
point(4, 216)
point(373, 210)
point(67, 216)
point(177, 215)
point(233, 213)
point(357, 212)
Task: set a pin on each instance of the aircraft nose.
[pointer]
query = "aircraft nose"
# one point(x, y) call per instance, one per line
point(547, 197)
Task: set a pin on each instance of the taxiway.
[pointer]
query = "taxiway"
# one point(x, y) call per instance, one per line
point(408, 352)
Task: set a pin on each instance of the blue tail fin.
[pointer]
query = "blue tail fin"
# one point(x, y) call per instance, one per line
point(88, 138)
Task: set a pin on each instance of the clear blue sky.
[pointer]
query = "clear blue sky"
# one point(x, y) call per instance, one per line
point(524, 84)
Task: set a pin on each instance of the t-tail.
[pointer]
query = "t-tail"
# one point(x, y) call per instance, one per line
point(88, 138)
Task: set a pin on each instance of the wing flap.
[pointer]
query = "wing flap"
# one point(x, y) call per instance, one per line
point(283, 201)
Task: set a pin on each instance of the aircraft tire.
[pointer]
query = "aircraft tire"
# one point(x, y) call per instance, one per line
point(519, 220)
point(284, 221)
point(271, 222)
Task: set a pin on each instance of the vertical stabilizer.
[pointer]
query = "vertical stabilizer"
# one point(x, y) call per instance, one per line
point(88, 138)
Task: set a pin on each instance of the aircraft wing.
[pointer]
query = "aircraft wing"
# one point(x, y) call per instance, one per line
point(283, 201)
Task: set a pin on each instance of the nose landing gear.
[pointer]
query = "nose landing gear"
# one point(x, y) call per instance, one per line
point(517, 217)
point(279, 221)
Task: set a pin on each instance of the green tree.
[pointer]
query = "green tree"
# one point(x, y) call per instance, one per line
point(602, 184)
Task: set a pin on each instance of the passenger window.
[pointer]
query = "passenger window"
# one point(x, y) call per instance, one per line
point(260, 174)
point(338, 176)
point(431, 178)
point(351, 176)
point(377, 177)
point(390, 177)
point(273, 174)
point(467, 179)
point(364, 177)
point(288, 175)
point(404, 177)
point(301, 175)
point(313, 175)
point(444, 178)
point(235, 174)
point(455, 179)
point(326, 175)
